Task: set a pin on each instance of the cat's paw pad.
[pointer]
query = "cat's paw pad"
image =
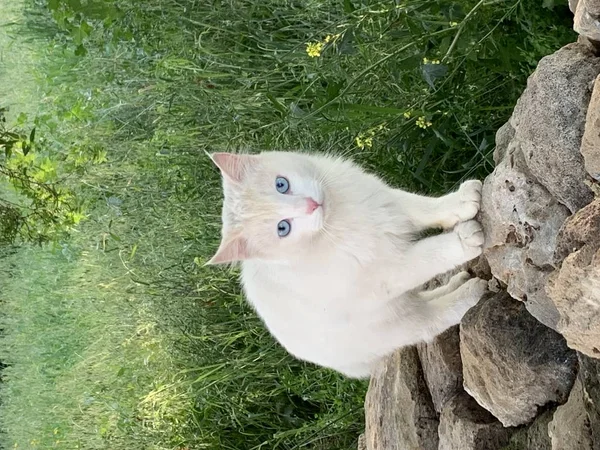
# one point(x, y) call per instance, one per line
point(469, 195)
point(470, 234)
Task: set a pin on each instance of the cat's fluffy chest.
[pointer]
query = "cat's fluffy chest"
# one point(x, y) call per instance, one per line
point(308, 306)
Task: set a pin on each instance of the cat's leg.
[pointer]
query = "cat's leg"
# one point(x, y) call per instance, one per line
point(414, 318)
point(454, 283)
point(446, 211)
point(447, 310)
point(434, 255)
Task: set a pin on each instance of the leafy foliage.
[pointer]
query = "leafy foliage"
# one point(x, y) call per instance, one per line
point(40, 209)
point(137, 345)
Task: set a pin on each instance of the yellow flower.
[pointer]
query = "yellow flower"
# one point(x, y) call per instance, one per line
point(314, 49)
point(363, 141)
point(425, 61)
point(453, 24)
point(407, 115)
point(331, 37)
point(423, 123)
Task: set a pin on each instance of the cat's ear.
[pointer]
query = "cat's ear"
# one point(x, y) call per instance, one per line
point(230, 250)
point(232, 165)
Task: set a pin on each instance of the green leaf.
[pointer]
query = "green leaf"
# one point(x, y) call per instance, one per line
point(53, 4)
point(433, 72)
point(80, 50)
point(278, 106)
point(32, 135)
point(548, 4)
point(348, 6)
point(346, 46)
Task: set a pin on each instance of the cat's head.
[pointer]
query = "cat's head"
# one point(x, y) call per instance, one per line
point(275, 205)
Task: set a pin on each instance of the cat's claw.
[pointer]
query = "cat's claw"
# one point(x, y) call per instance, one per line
point(470, 234)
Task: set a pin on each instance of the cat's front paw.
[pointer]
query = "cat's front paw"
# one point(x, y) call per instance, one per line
point(469, 195)
point(462, 205)
point(470, 234)
point(470, 294)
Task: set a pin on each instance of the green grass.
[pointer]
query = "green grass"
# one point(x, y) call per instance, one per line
point(118, 338)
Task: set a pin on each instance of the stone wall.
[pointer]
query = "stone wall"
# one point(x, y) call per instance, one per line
point(522, 369)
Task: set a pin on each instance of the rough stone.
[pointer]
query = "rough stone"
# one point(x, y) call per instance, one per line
point(573, 5)
point(590, 144)
point(587, 19)
point(575, 288)
point(534, 436)
point(591, 45)
point(465, 425)
point(570, 427)
point(548, 131)
point(521, 220)
point(442, 367)
point(589, 374)
point(504, 136)
point(362, 442)
point(512, 364)
point(399, 411)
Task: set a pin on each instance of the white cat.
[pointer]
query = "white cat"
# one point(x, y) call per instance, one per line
point(330, 261)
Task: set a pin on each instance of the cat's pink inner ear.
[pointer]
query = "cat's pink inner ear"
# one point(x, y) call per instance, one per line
point(232, 250)
point(232, 165)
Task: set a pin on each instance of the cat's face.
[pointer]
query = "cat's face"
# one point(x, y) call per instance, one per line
point(275, 204)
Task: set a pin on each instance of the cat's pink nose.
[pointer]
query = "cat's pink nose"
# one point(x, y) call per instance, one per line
point(311, 205)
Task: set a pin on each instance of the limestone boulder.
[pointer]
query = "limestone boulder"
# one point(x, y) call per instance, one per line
point(521, 220)
point(540, 177)
point(590, 144)
point(398, 407)
point(534, 436)
point(587, 18)
point(465, 425)
point(442, 367)
point(549, 132)
point(362, 442)
point(570, 427)
point(575, 287)
point(589, 375)
point(512, 364)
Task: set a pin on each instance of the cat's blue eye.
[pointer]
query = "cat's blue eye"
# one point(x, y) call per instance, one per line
point(282, 185)
point(283, 228)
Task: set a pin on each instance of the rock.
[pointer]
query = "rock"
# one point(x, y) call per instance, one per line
point(589, 374)
point(512, 364)
point(504, 136)
point(587, 19)
point(580, 229)
point(540, 177)
point(590, 144)
point(589, 44)
point(442, 367)
point(465, 425)
point(573, 5)
point(575, 288)
point(521, 220)
point(399, 411)
point(548, 131)
point(570, 428)
point(362, 442)
point(534, 436)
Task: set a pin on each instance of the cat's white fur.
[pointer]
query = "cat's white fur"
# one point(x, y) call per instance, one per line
point(343, 289)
